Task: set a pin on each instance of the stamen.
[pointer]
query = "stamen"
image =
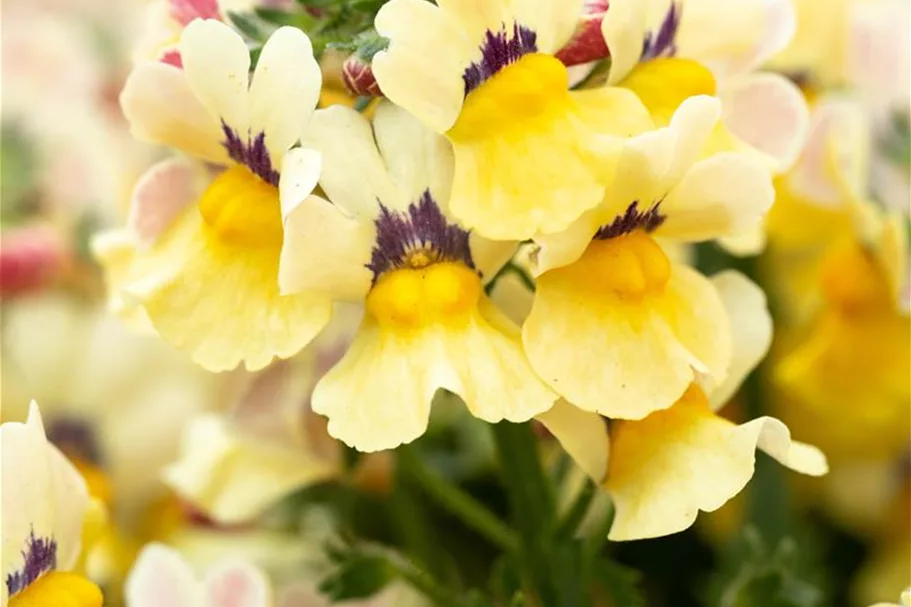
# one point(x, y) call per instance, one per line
point(417, 239)
point(632, 220)
point(252, 153)
point(499, 50)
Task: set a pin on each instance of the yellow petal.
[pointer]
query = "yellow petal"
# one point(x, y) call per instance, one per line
point(379, 395)
point(582, 434)
point(221, 303)
point(667, 467)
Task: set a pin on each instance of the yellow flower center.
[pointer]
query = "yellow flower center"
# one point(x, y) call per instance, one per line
point(854, 282)
point(533, 89)
point(412, 298)
point(631, 266)
point(241, 209)
point(59, 589)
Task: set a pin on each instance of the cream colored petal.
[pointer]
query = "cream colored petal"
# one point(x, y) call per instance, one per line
point(582, 434)
point(160, 107)
point(217, 64)
point(300, 172)
point(624, 28)
point(422, 68)
point(723, 195)
point(666, 468)
point(284, 89)
point(475, 17)
point(221, 304)
point(563, 248)
point(326, 251)
point(236, 584)
point(552, 21)
point(751, 330)
point(602, 353)
point(378, 396)
point(416, 158)
point(345, 140)
point(697, 316)
point(42, 494)
point(161, 195)
point(750, 242)
point(234, 477)
point(160, 576)
point(768, 112)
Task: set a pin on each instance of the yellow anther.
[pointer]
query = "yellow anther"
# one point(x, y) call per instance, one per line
point(241, 209)
point(413, 298)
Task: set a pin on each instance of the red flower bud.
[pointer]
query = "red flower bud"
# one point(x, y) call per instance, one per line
point(587, 43)
point(358, 77)
point(30, 257)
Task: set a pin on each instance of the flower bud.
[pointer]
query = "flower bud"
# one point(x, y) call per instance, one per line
point(587, 43)
point(30, 257)
point(358, 76)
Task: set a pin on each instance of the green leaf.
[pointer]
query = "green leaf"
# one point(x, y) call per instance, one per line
point(247, 24)
point(358, 576)
point(621, 583)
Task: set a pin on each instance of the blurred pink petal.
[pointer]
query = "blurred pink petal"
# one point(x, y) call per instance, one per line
point(161, 196)
point(236, 585)
point(30, 257)
point(185, 11)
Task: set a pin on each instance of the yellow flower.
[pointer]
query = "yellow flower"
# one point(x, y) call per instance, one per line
point(387, 239)
point(662, 470)
point(44, 501)
point(616, 327)
point(200, 254)
point(530, 154)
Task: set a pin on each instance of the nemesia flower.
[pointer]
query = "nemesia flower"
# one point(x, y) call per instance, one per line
point(161, 577)
point(662, 470)
point(616, 327)
point(44, 500)
point(388, 239)
point(202, 261)
point(530, 155)
point(657, 46)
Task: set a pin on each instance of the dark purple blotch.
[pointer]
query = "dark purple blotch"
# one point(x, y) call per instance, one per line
point(422, 227)
point(75, 437)
point(633, 219)
point(251, 152)
point(499, 50)
point(663, 44)
point(40, 556)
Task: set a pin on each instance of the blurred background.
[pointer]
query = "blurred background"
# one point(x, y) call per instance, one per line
point(129, 411)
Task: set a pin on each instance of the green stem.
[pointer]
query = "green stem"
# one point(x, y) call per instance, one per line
point(532, 503)
point(415, 576)
point(457, 502)
point(577, 511)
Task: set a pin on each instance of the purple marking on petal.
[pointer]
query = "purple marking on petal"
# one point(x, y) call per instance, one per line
point(663, 44)
point(252, 153)
point(631, 220)
point(423, 229)
point(75, 437)
point(40, 556)
point(499, 50)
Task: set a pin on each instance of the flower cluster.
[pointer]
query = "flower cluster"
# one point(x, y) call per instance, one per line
point(239, 251)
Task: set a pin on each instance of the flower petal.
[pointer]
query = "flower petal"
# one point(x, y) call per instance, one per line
point(723, 195)
point(553, 21)
point(160, 577)
point(236, 584)
point(602, 353)
point(345, 140)
point(217, 64)
point(582, 434)
point(221, 303)
point(667, 467)
point(768, 112)
point(379, 395)
point(161, 195)
point(751, 330)
point(234, 477)
point(284, 89)
point(43, 496)
point(624, 28)
point(696, 313)
point(326, 251)
point(161, 108)
point(422, 68)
